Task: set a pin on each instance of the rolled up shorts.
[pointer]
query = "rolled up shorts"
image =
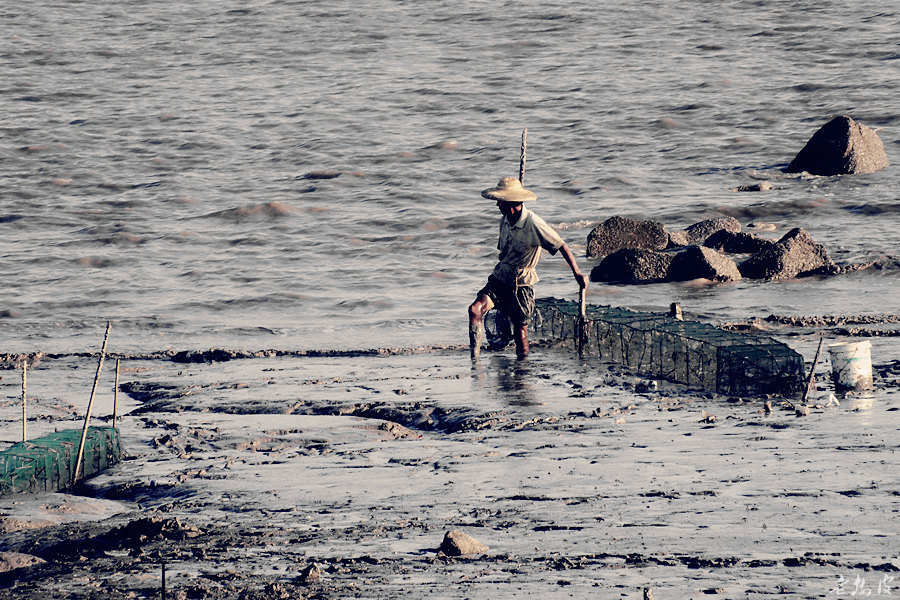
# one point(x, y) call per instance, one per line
point(517, 302)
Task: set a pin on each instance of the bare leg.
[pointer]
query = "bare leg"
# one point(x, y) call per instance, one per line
point(521, 339)
point(477, 310)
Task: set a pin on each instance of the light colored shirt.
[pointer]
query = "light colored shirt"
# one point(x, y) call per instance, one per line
point(520, 248)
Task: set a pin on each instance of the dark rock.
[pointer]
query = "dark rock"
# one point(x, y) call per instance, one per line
point(274, 590)
point(617, 232)
point(10, 561)
point(698, 232)
point(311, 574)
point(737, 243)
point(794, 255)
point(678, 239)
point(633, 265)
point(323, 174)
point(646, 387)
point(762, 186)
point(457, 543)
point(204, 356)
point(842, 146)
point(698, 262)
point(145, 529)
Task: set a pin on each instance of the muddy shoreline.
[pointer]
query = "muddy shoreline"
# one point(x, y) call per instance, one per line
point(337, 476)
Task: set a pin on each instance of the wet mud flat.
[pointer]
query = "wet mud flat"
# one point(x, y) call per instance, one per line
point(337, 477)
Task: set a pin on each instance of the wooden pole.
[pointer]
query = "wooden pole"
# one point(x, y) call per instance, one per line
point(24, 398)
point(522, 157)
point(116, 395)
point(812, 372)
point(582, 320)
point(87, 416)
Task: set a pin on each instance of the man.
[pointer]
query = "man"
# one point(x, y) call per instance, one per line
point(509, 288)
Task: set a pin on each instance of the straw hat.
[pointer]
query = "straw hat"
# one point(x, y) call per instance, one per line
point(509, 190)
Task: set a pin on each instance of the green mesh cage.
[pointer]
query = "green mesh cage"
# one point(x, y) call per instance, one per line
point(48, 463)
point(689, 352)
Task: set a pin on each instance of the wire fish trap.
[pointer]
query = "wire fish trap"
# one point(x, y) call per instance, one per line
point(689, 352)
point(47, 464)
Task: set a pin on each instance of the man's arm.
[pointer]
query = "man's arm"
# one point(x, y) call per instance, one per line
point(573, 264)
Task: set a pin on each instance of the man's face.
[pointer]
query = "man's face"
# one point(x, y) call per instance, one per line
point(508, 209)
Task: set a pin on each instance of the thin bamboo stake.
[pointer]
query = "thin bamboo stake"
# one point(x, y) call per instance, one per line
point(522, 157)
point(582, 321)
point(116, 395)
point(812, 372)
point(24, 398)
point(87, 416)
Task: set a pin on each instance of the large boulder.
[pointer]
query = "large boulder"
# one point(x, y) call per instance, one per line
point(841, 147)
point(737, 243)
point(699, 232)
point(796, 254)
point(678, 239)
point(617, 232)
point(698, 262)
point(633, 265)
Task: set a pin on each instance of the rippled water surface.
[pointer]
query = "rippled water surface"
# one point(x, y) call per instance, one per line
point(307, 175)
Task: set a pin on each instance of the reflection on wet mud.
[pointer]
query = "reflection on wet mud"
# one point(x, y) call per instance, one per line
point(506, 378)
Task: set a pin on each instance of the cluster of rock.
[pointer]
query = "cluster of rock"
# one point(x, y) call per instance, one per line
point(644, 252)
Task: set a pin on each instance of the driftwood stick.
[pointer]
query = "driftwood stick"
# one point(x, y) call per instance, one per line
point(522, 157)
point(87, 416)
point(116, 395)
point(812, 372)
point(24, 398)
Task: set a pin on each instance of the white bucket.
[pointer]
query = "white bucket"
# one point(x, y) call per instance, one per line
point(851, 365)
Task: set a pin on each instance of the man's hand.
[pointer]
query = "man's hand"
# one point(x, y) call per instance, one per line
point(581, 279)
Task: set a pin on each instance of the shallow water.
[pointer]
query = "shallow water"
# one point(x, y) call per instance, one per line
point(156, 158)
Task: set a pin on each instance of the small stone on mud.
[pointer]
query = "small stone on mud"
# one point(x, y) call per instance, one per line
point(311, 574)
point(458, 543)
point(644, 387)
point(277, 590)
